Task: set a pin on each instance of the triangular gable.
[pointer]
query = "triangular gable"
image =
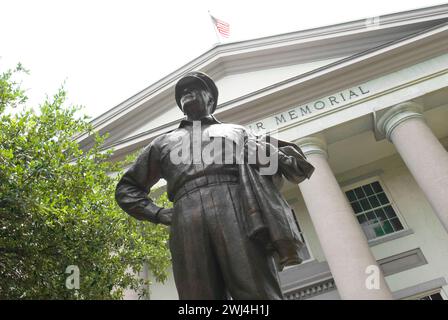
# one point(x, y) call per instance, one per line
point(247, 67)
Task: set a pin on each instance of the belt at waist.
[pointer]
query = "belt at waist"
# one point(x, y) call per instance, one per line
point(203, 181)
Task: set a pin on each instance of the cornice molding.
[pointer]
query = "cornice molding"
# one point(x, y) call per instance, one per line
point(314, 278)
point(312, 290)
point(341, 74)
point(123, 145)
point(216, 60)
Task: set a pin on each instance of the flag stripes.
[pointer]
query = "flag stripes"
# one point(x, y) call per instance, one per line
point(222, 27)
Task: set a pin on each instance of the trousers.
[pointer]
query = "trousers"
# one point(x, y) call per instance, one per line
point(212, 256)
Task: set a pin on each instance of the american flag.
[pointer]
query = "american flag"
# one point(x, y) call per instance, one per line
point(222, 27)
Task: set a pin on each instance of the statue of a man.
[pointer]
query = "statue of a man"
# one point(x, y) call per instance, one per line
point(228, 220)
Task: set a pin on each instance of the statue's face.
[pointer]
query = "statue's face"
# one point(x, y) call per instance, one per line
point(196, 102)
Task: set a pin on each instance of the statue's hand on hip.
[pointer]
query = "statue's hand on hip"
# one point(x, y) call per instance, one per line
point(165, 215)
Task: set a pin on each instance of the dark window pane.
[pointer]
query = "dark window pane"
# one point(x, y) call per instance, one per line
point(436, 296)
point(365, 204)
point(387, 227)
point(378, 231)
point(359, 193)
point(383, 198)
point(371, 217)
point(304, 254)
point(376, 187)
point(356, 207)
point(396, 224)
point(361, 218)
point(368, 189)
point(374, 201)
point(350, 195)
point(390, 213)
point(380, 214)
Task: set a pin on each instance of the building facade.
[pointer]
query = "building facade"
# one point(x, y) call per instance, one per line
point(367, 101)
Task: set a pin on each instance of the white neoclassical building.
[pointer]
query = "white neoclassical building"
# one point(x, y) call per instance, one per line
point(368, 103)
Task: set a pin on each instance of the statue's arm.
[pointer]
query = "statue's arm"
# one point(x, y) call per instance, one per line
point(293, 164)
point(133, 188)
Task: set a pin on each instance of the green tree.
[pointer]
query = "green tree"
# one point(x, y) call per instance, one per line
point(57, 208)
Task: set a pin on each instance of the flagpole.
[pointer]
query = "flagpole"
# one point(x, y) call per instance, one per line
point(214, 28)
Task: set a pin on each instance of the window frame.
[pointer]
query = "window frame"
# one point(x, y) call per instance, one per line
point(392, 202)
point(306, 242)
point(423, 294)
point(291, 203)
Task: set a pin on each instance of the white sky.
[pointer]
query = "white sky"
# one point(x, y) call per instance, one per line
point(107, 50)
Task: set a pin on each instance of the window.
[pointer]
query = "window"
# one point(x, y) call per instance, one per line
point(434, 296)
point(373, 210)
point(304, 253)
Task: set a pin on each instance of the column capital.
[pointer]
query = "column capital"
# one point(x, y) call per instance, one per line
point(396, 115)
point(315, 144)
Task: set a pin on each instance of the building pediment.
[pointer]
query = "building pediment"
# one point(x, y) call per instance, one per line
point(259, 77)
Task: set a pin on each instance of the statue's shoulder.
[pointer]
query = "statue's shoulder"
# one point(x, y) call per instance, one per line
point(172, 135)
point(228, 130)
point(160, 141)
point(230, 126)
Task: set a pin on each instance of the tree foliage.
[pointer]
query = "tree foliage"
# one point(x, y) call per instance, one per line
point(57, 208)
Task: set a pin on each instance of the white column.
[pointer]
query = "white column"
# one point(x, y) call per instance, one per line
point(422, 152)
point(352, 264)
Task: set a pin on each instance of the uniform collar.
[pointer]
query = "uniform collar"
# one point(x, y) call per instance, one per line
point(210, 119)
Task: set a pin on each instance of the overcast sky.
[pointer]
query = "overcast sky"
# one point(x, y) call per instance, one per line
point(107, 51)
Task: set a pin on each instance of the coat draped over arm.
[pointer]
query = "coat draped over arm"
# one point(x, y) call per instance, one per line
point(268, 217)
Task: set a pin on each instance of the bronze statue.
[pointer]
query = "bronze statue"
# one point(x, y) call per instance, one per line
point(229, 220)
